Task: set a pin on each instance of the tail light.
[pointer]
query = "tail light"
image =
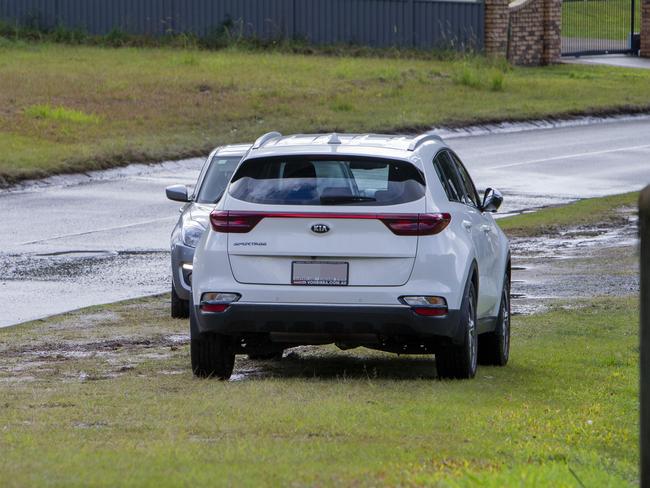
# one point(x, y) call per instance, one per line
point(399, 224)
point(234, 222)
point(416, 224)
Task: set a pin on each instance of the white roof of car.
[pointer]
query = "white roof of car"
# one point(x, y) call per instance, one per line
point(387, 141)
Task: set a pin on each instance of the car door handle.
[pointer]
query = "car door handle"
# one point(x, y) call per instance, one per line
point(467, 224)
point(486, 228)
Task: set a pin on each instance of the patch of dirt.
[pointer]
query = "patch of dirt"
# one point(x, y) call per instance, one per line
point(108, 358)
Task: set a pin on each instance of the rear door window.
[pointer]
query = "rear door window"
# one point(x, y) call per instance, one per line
point(327, 180)
point(451, 182)
point(470, 194)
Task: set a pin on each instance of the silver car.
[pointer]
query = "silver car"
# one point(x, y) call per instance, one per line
point(194, 218)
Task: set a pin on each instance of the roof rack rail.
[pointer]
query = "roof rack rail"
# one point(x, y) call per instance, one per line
point(265, 138)
point(334, 139)
point(422, 138)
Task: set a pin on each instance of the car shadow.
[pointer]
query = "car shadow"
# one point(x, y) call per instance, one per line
point(338, 366)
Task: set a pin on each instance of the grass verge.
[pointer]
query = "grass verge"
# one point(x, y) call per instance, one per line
point(587, 212)
point(76, 108)
point(105, 396)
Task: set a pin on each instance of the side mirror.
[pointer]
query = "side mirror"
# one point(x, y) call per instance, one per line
point(178, 193)
point(492, 200)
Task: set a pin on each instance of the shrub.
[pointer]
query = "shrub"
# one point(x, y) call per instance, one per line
point(496, 81)
point(468, 76)
point(68, 36)
point(116, 38)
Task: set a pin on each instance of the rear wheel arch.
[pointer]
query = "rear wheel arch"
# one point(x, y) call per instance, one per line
point(508, 271)
point(473, 277)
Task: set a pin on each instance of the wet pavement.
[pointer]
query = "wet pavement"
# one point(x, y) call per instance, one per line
point(73, 241)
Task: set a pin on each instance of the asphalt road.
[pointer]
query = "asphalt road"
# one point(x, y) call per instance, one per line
point(77, 241)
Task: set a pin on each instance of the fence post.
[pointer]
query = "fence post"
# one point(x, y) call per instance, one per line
point(644, 232)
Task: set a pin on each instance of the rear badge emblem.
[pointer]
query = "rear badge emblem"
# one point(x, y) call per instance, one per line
point(320, 228)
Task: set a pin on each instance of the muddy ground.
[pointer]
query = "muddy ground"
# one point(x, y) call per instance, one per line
point(107, 341)
point(580, 262)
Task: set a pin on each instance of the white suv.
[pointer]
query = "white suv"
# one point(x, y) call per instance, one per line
point(358, 240)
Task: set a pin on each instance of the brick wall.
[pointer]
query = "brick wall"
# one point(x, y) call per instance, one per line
point(496, 27)
point(526, 41)
point(552, 31)
point(645, 28)
point(528, 32)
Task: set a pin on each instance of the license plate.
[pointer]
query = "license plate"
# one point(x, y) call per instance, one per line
point(319, 273)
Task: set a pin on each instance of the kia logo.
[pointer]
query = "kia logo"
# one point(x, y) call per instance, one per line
point(320, 228)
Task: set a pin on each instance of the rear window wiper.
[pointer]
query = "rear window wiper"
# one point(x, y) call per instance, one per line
point(335, 200)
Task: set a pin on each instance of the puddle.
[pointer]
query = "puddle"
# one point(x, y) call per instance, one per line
point(577, 241)
point(72, 280)
point(71, 265)
point(516, 203)
point(77, 254)
point(586, 261)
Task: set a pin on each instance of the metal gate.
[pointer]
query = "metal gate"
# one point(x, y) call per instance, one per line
point(600, 26)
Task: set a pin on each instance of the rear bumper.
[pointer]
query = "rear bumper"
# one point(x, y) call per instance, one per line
point(322, 324)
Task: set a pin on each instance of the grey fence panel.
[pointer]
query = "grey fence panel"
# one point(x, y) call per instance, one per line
point(445, 24)
point(368, 22)
point(33, 13)
point(261, 18)
point(380, 23)
point(147, 17)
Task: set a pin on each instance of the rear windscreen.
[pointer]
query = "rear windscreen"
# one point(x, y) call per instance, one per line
point(319, 180)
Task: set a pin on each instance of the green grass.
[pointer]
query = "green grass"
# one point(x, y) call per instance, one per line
point(587, 212)
point(599, 19)
point(60, 114)
point(152, 104)
point(125, 410)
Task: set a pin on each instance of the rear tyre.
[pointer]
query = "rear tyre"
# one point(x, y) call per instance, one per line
point(494, 347)
point(212, 354)
point(271, 356)
point(180, 308)
point(460, 362)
